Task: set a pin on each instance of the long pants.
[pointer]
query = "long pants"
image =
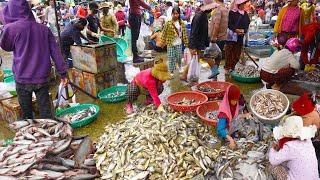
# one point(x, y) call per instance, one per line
point(174, 57)
point(282, 76)
point(232, 53)
point(122, 30)
point(221, 56)
point(24, 92)
point(135, 23)
point(316, 145)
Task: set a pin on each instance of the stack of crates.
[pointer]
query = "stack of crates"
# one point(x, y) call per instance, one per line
point(95, 67)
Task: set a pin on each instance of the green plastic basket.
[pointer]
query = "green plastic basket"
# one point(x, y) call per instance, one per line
point(242, 79)
point(74, 109)
point(7, 73)
point(102, 95)
point(120, 45)
point(9, 79)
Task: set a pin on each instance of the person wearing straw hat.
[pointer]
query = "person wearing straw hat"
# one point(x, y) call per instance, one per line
point(294, 148)
point(148, 82)
point(108, 21)
point(305, 107)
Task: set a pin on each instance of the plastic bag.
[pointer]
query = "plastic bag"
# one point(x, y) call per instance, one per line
point(213, 50)
point(62, 100)
point(194, 70)
point(187, 56)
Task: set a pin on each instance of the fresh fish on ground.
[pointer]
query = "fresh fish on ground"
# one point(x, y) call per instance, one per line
point(82, 152)
point(313, 76)
point(71, 117)
point(156, 146)
point(269, 105)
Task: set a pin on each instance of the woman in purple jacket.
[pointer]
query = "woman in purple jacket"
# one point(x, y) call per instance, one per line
point(33, 46)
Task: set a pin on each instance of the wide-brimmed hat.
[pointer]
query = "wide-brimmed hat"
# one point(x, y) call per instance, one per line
point(209, 5)
point(160, 71)
point(104, 5)
point(293, 128)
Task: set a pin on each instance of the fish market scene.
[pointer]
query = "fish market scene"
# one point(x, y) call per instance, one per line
point(160, 90)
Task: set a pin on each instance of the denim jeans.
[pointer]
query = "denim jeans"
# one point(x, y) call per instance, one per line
point(24, 92)
point(135, 23)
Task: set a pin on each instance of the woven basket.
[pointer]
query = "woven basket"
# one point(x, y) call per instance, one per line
point(215, 85)
point(235, 76)
point(102, 95)
point(83, 122)
point(206, 107)
point(189, 95)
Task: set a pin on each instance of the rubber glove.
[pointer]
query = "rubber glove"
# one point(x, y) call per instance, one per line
point(312, 67)
point(161, 108)
point(307, 68)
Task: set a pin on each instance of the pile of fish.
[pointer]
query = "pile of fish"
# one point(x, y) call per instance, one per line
point(212, 115)
point(247, 71)
point(313, 76)
point(188, 102)
point(115, 94)
point(152, 145)
point(248, 161)
point(45, 149)
point(71, 117)
point(268, 105)
point(208, 89)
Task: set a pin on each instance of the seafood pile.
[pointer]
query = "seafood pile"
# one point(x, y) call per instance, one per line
point(156, 145)
point(212, 115)
point(313, 76)
point(188, 102)
point(71, 117)
point(208, 89)
point(249, 161)
point(268, 105)
point(115, 94)
point(247, 71)
point(45, 149)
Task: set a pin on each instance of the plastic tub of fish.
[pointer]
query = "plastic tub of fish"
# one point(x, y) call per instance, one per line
point(269, 106)
point(81, 115)
point(246, 74)
point(113, 94)
point(213, 89)
point(186, 101)
point(208, 112)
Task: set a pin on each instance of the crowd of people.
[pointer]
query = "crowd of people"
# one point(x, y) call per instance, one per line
point(30, 33)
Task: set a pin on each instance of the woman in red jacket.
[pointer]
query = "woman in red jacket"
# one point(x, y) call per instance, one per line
point(121, 19)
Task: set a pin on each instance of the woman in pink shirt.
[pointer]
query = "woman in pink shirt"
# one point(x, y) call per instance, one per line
point(294, 157)
point(289, 23)
point(148, 82)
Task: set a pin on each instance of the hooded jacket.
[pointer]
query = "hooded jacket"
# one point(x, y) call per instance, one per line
point(33, 45)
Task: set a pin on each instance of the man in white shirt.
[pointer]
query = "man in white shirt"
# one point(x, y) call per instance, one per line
point(50, 18)
point(169, 10)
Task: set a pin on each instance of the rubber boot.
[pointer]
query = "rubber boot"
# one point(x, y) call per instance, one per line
point(214, 71)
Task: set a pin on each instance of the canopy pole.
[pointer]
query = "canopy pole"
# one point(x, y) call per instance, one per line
point(57, 21)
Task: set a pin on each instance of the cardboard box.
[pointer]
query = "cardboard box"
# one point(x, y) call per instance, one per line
point(120, 73)
point(76, 77)
point(10, 109)
point(97, 58)
point(144, 65)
